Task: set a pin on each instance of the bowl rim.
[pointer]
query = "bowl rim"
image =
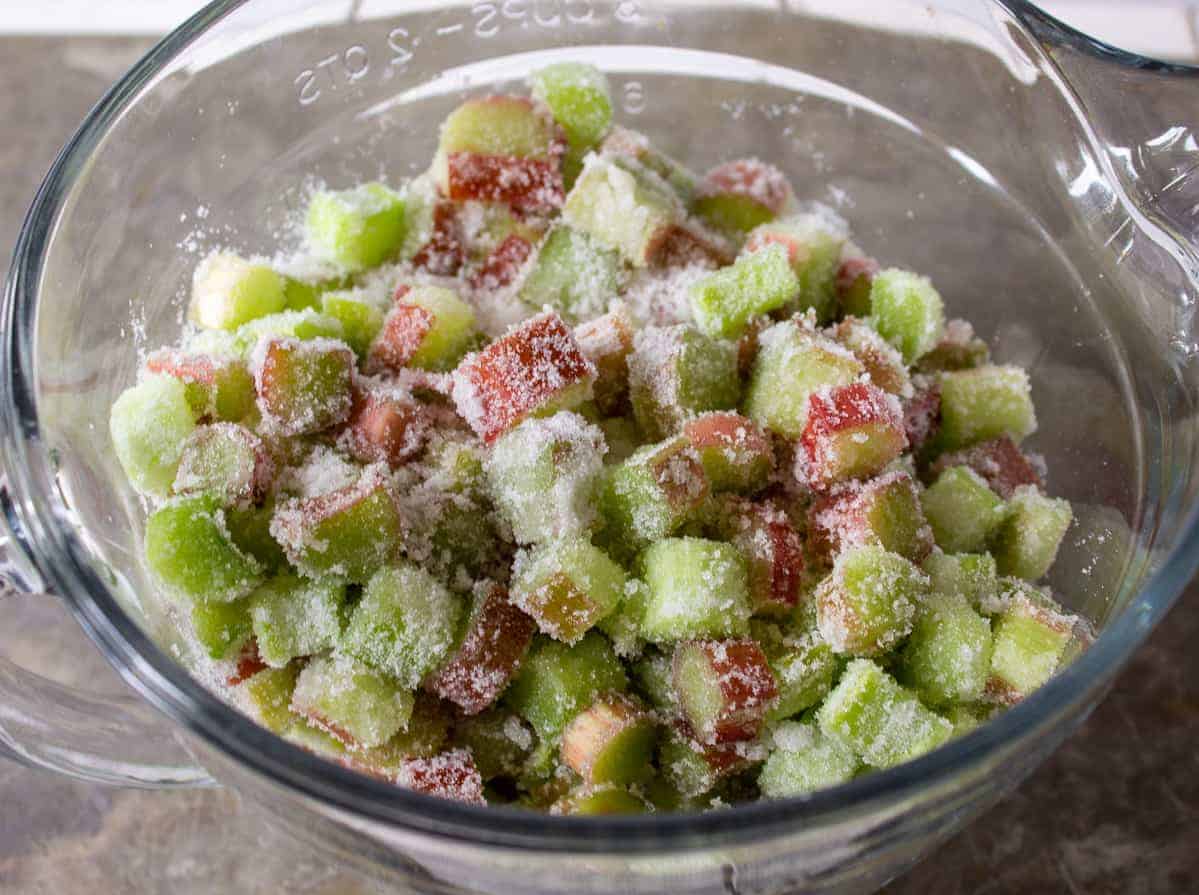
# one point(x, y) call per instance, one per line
point(157, 677)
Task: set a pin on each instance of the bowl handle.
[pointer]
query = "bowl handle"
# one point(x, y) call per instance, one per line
point(118, 740)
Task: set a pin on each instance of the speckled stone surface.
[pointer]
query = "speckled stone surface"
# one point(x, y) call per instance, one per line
point(1115, 811)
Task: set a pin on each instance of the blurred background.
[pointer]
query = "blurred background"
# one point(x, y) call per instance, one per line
point(1115, 811)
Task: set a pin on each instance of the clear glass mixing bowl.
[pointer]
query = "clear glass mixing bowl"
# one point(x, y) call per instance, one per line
point(1046, 183)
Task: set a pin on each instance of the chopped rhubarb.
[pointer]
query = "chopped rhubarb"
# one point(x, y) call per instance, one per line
point(1003, 466)
point(607, 342)
point(534, 367)
point(884, 511)
point(735, 452)
point(724, 687)
point(386, 425)
point(851, 431)
point(773, 551)
point(854, 277)
point(303, 387)
point(922, 413)
point(449, 775)
point(739, 195)
point(444, 253)
point(501, 267)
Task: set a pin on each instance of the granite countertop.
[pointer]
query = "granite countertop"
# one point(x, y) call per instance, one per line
point(1116, 810)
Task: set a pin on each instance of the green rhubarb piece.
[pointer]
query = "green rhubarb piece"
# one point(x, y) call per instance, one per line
point(735, 453)
point(303, 325)
point(623, 624)
point(496, 125)
point(813, 242)
point(623, 212)
point(984, 403)
point(223, 460)
point(295, 617)
point(965, 718)
point(803, 760)
point(907, 311)
point(567, 586)
point(351, 701)
point(962, 510)
point(303, 295)
point(309, 736)
point(724, 688)
point(149, 424)
point(653, 493)
point(360, 320)
point(458, 540)
point(695, 588)
point(425, 735)
point(947, 658)
point(499, 741)
point(610, 742)
point(792, 363)
point(725, 301)
point(1030, 636)
point(573, 274)
point(631, 146)
point(303, 387)
point(452, 328)
point(959, 349)
point(1028, 539)
point(189, 550)
point(358, 228)
point(228, 290)
point(250, 530)
point(404, 625)
point(557, 681)
point(599, 801)
point(882, 723)
point(867, 605)
point(543, 476)
point(677, 373)
point(222, 628)
point(972, 576)
point(269, 694)
point(653, 678)
point(692, 769)
point(805, 668)
point(577, 96)
point(219, 385)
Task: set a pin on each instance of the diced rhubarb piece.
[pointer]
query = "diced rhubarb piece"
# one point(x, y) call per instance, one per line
point(268, 692)
point(607, 341)
point(228, 290)
point(883, 723)
point(358, 228)
point(304, 294)
point(1031, 635)
point(855, 276)
point(577, 96)
point(851, 431)
point(543, 476)
point(739, 195)
point(499, 741)
point(653, 493)
point(218, 388)
point(250, 530)
point(386, 425)
point(222, 629)
point(610, 742)
point(963, 512)
point(227, 461)
point(881, 359)
point(676, 373)
point(1032, 530)
point(972, 576)
point(450, 775)
point(502, 265)
point(500, 149)
point(424, 736)
point(347, 533)
point(567, 586)
point(557, 681)
point(443, 254)
point(690, 245)
point(653, 680)
point(404, 625)
point(623, 625)
point(805, 668)
point(735, 453)
point(922, 413)
point(535, 368)
point(966, 718)
point(868, 603)
point(695, 589)
point(907, 311)
point(958, 349)
point(355, 704)
point(773, 552)
point(429, 327)
point(488, 653)
point(303, 387)
point(622, 208)
point(454, 535)
point(150, 424)
point(294, 617)
point(985, 403)
point(813, 241)
point(803, 760)
point(792, 363)
point(303, 325)
point(756, 284)
point(947, 658)
point(360, 319)
point(189, 550)
point(572, 274)
point(885, 511)
point(599, 801)
point(724, 687)
point(1002, 465)
point(693, 768)
point(634, 147)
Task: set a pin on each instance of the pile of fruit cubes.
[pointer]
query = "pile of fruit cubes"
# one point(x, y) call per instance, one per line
point(564, 477)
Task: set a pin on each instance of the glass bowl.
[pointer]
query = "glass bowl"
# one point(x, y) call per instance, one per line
point(1043, 180)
